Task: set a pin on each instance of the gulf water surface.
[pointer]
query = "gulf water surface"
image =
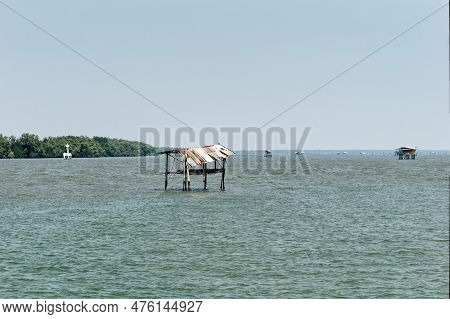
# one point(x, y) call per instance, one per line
point(348, 226)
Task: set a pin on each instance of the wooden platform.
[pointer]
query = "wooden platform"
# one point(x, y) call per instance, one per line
point(200, 171)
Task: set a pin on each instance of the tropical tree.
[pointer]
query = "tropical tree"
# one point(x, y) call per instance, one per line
point(30, 145)
point(5, 146)
point(89, 148)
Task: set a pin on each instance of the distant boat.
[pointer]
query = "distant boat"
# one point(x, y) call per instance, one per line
point(338, 153)
point(267, 153)
point(345, 153)
point(362, 153)
point(300, 153)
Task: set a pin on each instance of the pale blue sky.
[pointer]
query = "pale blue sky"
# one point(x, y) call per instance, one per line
point(229, 63)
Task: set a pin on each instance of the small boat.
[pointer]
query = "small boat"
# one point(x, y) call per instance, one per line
point(267, 153)
point(300, 153)
point(345, 153)
point(362, 153)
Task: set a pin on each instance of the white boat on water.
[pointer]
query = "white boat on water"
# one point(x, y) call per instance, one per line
point(267, 153)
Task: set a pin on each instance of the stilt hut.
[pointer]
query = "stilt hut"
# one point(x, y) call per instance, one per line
point(194, 161)
point(406, 153)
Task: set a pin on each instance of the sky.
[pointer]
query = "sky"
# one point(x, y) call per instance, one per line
point(229, 64)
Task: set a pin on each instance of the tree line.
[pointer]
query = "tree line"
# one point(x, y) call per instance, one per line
point(31, 146)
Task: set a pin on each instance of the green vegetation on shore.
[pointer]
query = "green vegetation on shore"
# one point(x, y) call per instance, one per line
point(31, 146)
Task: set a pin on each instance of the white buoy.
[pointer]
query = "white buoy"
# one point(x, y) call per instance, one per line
point(67, 155)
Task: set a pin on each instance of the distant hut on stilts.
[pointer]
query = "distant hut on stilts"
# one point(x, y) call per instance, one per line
point(267, 153)
point(194, 161)
point(406, 153)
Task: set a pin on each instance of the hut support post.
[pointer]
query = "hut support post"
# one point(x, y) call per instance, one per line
point(205, 176)
point(185, 176)
point(222, 182)
point(188, 177)
point(167, 172)
point(188, 180)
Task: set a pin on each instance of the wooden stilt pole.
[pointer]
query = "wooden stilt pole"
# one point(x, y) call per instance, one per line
point(188, 178)
point(167, 171)
point(205, 176)
point(222, 183)
point(185, 176)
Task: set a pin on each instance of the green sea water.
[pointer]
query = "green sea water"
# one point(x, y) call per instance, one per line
point(341, 227)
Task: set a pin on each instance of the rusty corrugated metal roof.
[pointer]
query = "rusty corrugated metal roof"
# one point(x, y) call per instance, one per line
point(407, 148)
point(205, 154)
